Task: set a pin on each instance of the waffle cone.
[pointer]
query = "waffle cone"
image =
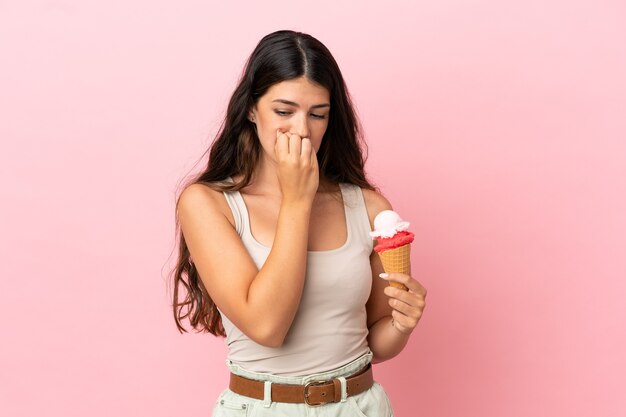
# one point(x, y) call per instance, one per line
point(397, 260)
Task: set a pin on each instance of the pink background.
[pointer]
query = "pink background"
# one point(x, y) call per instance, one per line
point(497, 129)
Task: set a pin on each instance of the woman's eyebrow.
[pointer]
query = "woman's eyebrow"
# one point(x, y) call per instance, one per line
point(291, 103)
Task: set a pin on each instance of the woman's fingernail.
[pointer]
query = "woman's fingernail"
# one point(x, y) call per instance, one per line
point(383, 275)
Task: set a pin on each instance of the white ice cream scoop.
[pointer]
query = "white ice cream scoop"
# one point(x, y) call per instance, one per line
point(387, 223)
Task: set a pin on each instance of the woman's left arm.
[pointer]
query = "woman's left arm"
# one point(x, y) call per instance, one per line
point(392, 313)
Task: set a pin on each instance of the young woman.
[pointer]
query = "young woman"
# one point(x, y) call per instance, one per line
point(275, 252)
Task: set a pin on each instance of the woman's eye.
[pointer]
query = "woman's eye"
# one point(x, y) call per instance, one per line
point(285, 113)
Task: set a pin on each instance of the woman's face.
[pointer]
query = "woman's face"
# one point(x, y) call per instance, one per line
point(296, 106)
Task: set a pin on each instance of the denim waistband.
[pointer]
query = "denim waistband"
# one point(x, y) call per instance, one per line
point(348, 369)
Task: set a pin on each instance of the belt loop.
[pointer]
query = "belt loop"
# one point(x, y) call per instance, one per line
point(344, 388)
point(267, 396)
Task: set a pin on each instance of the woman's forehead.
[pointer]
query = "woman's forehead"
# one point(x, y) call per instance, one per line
point(298, 90)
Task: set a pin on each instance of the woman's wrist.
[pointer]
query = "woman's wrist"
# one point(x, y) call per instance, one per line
point(397, 328)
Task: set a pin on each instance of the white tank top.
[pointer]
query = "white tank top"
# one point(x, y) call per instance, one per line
point(330, 326)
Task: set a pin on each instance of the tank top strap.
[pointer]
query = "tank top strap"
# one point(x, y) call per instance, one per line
point(238, 207)
point(356, 213)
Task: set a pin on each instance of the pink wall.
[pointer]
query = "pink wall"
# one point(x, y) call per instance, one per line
point(497, 129)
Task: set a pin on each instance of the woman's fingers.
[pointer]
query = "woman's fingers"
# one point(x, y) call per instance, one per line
point(407, 281)
point(408, 306)
point(292, 144)
point(407, 297)
point(308, 155)
point(313, 157)
point(282, 144)
point(295, 144)
point(404, 307)
point(298, 177)
point(305, 149)
point(403, 323)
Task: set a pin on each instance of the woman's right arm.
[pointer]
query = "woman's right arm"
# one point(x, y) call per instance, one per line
point(261, 303)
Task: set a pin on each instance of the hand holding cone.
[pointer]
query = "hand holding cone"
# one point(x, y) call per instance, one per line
point(393, 244)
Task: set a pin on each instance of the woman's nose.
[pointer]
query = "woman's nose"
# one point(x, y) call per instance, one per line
point(301, 127)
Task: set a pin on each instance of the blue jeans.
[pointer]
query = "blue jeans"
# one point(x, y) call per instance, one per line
point(372, 403)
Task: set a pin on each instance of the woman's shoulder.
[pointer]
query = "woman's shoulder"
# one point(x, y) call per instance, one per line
point(199, 193)
point(201, 197)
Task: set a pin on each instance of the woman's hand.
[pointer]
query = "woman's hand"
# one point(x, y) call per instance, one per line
point(298, 172)
point(407, 305)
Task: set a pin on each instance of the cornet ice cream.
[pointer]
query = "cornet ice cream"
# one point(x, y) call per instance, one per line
point(393, 243)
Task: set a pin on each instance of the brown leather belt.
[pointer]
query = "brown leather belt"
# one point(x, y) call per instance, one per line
point(313, 393)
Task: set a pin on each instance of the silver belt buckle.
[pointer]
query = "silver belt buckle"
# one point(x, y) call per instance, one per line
point(306, 393)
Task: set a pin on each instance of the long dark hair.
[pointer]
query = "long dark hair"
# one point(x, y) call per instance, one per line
point(279, 56)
